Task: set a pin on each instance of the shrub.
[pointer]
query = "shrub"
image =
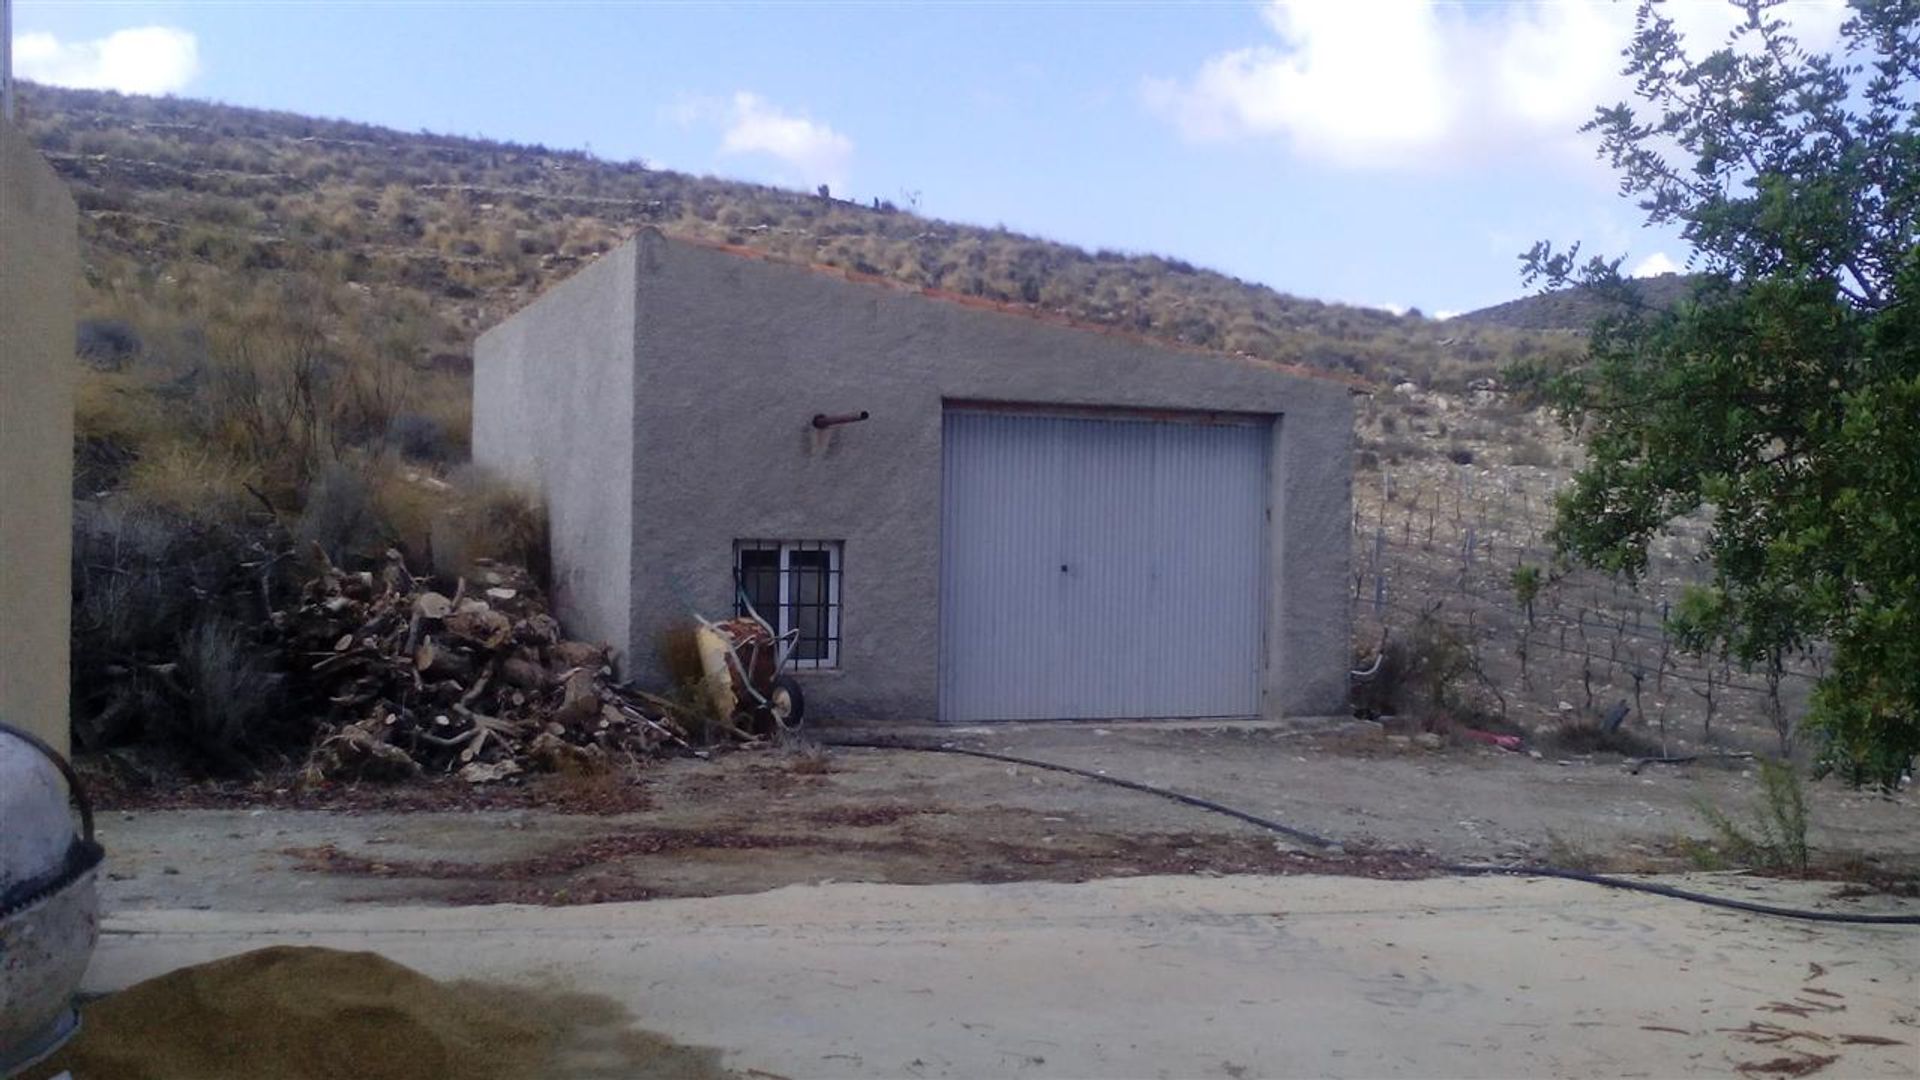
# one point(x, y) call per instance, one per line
point(488, 519)
point(422, 438)
point(229, 685)
point(194, 482)
point(1587, 735)
point(141, 573)
point(109, 344)
point(1526, 581)
point(1422, 675)
point(1531, 453)
point(1779, 837)
point(341, 516)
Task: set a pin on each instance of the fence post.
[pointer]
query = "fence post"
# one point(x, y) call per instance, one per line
point(1379, 571)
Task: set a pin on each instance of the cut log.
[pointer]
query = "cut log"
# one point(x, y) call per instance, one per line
point(523, 672)
point(573, 654)
point(432, 605)
point(486, 628)
point(411, 680)
point(579, 698)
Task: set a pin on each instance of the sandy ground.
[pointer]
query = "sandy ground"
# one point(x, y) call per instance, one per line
point(1165, 976)
point(753, 821)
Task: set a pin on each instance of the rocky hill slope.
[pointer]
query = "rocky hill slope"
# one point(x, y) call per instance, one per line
point(190, 207)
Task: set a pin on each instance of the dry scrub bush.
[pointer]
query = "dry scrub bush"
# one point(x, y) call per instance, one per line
point(192, 481)
point(1531, 452)
point(155, 591)
point(230, 689)
point(488, 519)
point(1588, 735)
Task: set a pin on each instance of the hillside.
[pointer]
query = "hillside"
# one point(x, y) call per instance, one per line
point(452, 233)
point(1574, 309)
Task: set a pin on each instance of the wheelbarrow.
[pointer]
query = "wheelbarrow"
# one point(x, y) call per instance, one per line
point(744, 663)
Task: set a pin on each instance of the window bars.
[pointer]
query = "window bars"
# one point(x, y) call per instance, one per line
point(793, 585)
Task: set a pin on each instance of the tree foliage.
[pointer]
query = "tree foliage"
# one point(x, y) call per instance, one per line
point(1785, 395)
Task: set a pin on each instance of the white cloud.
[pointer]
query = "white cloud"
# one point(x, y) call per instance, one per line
point(692, 110)
point(139, 60)
point(1443, 315)
point(813, 151)
point(1364, 84)
point(1654, 265)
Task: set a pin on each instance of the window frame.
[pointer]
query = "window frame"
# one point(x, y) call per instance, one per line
point(786, 614)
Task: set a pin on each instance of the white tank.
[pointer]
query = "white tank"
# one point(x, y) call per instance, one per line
point(36, 824)
point(49, 909)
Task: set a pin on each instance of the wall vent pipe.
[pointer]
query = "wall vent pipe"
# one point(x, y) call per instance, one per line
point(822, 421)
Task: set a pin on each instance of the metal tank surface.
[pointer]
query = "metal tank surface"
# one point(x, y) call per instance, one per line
point(49, 909)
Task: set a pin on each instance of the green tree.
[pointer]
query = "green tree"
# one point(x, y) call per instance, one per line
point(1785, 394)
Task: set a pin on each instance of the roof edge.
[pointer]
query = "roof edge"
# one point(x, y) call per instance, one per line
point(1003, 307)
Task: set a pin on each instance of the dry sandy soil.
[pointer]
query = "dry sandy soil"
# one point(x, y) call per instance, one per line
point(751, 821)
point(1228, 977)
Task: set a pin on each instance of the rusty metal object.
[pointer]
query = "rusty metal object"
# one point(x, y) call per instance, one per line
point(823, 420)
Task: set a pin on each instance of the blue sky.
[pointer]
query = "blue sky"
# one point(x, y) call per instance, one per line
point(1384, 152)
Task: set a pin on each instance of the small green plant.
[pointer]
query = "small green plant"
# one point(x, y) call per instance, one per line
point(1526, 580)
point(1779, 837)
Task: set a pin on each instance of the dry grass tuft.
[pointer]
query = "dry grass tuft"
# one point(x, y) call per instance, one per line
point(485, 518)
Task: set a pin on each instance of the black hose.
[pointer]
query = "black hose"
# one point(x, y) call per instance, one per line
point(1303, 836)
point(1317, 841)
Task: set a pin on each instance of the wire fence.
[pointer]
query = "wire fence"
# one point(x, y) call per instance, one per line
point(1440, 543)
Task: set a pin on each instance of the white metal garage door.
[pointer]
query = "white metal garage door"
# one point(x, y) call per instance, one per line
point(1101, 567)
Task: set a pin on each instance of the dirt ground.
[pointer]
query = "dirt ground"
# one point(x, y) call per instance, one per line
point(751, 821)
point(1179, 976)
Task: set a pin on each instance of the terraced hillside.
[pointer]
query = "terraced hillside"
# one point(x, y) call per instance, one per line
point(182, 198)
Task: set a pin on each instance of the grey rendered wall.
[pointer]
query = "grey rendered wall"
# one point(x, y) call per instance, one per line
point(38, 269)
point(553, 413)
point(735, 355)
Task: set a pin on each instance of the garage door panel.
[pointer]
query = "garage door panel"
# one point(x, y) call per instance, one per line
point(1096, 568)
point(999, 604)
point(1209, 517)
point(1104, 570)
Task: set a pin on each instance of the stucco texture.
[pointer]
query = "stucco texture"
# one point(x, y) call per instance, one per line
point(553, 413)
point(732, 357)
point(38, 268)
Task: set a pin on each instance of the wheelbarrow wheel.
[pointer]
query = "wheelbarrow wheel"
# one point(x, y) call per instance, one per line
point(787, 705)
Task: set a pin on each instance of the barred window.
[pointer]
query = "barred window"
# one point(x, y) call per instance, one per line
point(793, 585)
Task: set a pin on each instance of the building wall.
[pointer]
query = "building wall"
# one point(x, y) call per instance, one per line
point(38, 271)
point(736, 354)
point(553, 413)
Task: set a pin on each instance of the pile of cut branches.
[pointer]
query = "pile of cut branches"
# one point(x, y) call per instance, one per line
point(480, 682)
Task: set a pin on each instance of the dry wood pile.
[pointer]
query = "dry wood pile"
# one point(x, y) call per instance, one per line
point(479, 682)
